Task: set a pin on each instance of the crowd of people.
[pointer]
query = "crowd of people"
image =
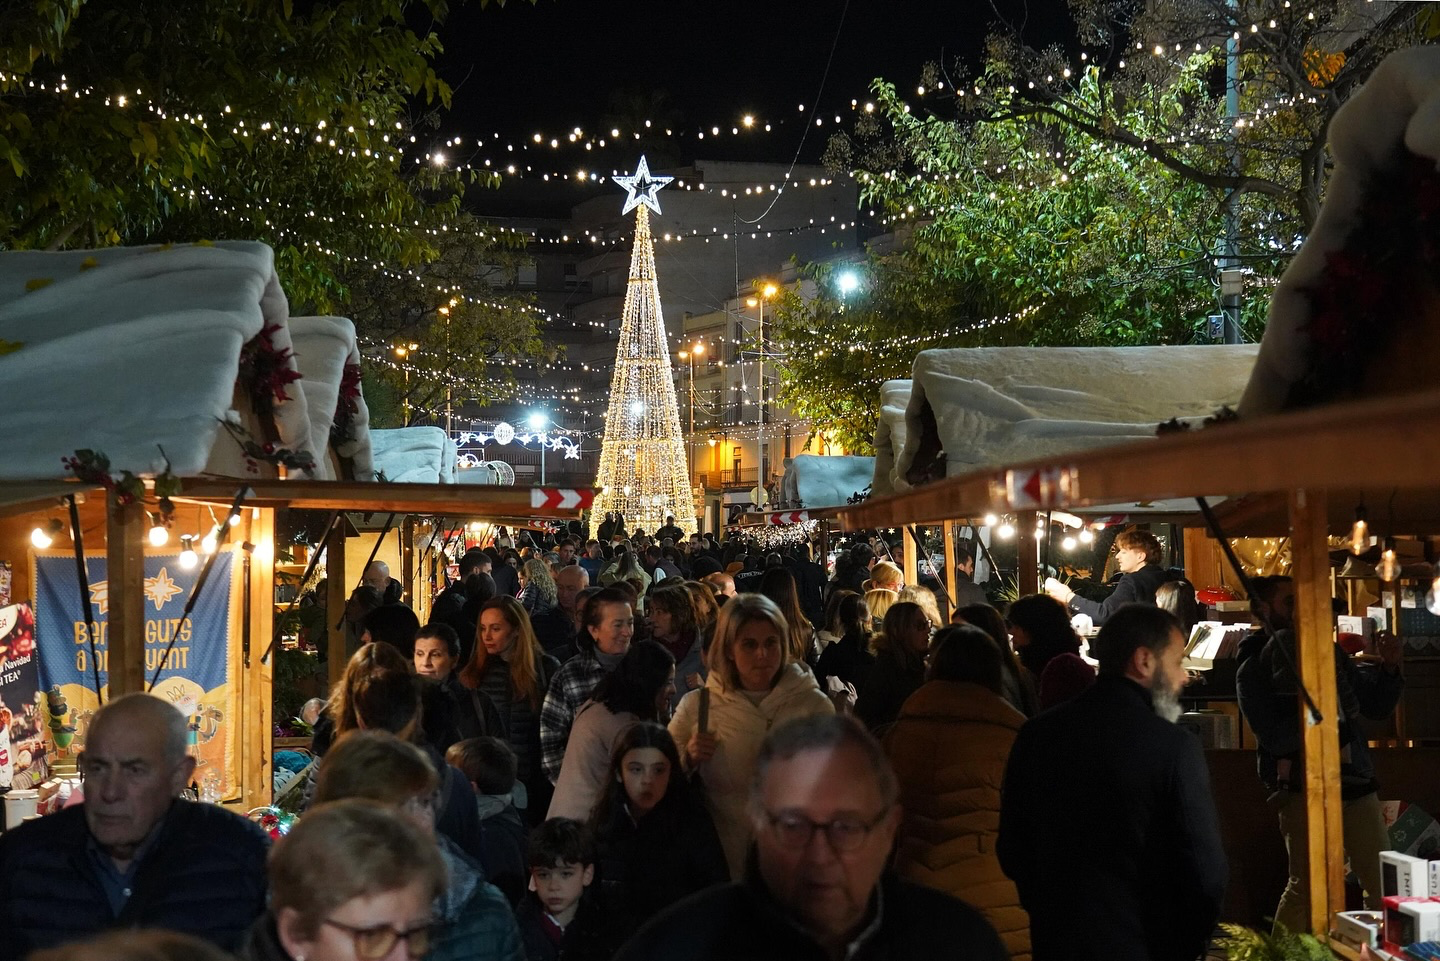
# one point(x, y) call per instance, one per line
point(664, 747)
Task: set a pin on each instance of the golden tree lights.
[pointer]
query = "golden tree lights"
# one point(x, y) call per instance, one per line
point(643, 470)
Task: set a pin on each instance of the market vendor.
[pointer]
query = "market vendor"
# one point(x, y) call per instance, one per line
point(1137, 555)
point(133, 855)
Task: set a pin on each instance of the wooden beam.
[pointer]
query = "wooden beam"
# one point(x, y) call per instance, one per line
point(909, 559)
point(950, 560)
point(455, 500)
point(337, 593)
point(257, 703)
point(1280, 453)
point(1027, 561)
point(1315, 654)
point(407, 569)
point(125, 572)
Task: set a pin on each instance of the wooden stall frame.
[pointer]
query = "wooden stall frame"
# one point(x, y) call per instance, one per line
point(1302, 454)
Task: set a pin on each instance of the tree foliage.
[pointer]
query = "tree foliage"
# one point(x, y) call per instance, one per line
point(139, 121)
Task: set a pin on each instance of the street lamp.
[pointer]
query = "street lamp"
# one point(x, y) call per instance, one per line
point(696, 350)
point(403, 352)
point(537, 421)
point(766, 292)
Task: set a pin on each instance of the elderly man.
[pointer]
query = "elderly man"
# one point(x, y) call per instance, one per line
point(723, 583)
point(823, 807)
point(1107, 823)
point(555, 629)
point(133, 855)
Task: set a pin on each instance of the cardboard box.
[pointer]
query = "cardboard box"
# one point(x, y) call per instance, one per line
point(1408, 920)
point(1360, 927)
point(1350, 624)
point(1404, 876)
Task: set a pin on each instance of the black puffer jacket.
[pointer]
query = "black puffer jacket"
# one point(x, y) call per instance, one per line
point(204, 875)
point(521, 720)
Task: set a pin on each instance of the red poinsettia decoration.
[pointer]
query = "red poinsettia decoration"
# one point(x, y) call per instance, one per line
point(347, 407)
point(266, 370)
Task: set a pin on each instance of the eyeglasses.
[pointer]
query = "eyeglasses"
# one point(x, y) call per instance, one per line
point(844, 834)
point(374, 943)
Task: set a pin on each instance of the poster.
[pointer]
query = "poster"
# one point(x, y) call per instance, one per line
point(196, 676)
point(22, 744)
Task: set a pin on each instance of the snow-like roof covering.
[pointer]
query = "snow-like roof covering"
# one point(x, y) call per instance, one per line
point(812, 480)
point(890, 433)
point(324, 348)
point(1399, 105)
point(132, 349)
point(991, 406)
point(419, 455)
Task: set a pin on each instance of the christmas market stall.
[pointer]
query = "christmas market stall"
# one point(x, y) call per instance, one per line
point(1334, 416)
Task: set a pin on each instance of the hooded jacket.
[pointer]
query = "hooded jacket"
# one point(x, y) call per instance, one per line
point(739, 725)
point(949, 747)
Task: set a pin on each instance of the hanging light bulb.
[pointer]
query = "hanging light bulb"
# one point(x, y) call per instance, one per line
point(188, 557)
point(1359, 532)
point(1432, 596)
point(209, 542)
point(1389, 567)
point(1006, 531)
point(991, 520)
point(1086, 537)
point(159, 535)
point(1069, 543)
point(234, 519)
point(44, 534)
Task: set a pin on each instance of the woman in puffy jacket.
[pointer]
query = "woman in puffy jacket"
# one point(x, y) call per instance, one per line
point(753, 686)
point(949, 748)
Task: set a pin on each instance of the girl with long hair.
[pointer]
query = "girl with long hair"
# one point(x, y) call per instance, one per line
point(1040, 628)
point(899, 667)
point(778, 584)
point(656, 842)
point(1016, 685)
point(509, 666)
point(671, 613)
point(538, 593)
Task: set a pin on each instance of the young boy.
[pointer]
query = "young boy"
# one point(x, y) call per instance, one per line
point(558, 922)
point(488, 763)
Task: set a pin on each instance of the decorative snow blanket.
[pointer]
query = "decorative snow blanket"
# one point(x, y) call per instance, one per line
point(329, 363)
point(812, 480)
point(1358, 310)
point(983, 407)
point(132, 350)
point(889, 434)
point(414, 455)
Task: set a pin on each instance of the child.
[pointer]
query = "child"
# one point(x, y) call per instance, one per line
point(488, 763)
point(655, 840)
point(559, 922)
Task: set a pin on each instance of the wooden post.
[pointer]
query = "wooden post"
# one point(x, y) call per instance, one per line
point(257, 703)
point(911, 546)
point(125, 572)
point(951, 559)
point(1027, 564)
point(420, 605)
point(337, 592)
point(1205, 565)
point(1315, 655)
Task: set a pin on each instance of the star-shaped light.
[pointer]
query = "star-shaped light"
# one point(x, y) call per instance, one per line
point(160, 589)
point(642, 187)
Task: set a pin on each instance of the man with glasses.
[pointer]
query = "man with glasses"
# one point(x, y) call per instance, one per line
point(133, 855)
point(824, 814)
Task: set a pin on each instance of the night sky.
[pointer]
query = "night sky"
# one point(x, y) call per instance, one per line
point(559, 64)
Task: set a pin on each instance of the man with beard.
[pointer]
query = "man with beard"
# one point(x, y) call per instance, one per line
point(1107, 823)
point(1269, 698)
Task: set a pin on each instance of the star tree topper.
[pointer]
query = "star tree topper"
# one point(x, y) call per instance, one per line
point(642, 187)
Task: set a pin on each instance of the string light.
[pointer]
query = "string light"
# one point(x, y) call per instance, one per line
point(1359, 532)
point(44, 535)
point(188, 557)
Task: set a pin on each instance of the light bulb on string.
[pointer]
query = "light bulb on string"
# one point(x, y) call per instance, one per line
point(188, 557)
point(210, 542)
point(1005, 531)
point(1086, 537)
point(159, 535)
point(991, 520)
point(1389, 567)
point(1432, 596)
point(1359, 532)
point(44, 535)
point(1069, 543)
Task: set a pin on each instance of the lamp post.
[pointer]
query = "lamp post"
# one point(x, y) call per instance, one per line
point(403, 352)
point(537, 422)
point(696, 350)
point(766, 292)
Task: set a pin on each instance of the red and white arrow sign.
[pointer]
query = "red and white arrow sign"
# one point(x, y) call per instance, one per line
point(787, 517)
point(561, 498)
point(1036, 487)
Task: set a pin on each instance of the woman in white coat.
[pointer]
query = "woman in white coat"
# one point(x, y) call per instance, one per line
point(753, 686)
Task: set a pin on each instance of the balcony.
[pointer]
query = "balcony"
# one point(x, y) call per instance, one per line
point(743, 478)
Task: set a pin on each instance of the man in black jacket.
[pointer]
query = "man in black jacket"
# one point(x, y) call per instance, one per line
point(823, 807)
point(133, 855)
point(1107, 822)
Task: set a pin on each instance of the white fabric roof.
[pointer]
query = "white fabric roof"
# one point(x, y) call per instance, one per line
point(419, 455)
point(1001, 405)
point(1399, 105)
point(813, 480)
point(324, 347)
point(890, 433)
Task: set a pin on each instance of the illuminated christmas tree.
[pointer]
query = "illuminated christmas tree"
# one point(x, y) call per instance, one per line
point(643, 472)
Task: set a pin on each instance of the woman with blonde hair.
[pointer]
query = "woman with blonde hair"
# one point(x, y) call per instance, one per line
point(753, 687)
point(702, 599)
point(879, 601)
point(917, 594)
point(886, 576)
point(509, 666)
point(538, 593)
